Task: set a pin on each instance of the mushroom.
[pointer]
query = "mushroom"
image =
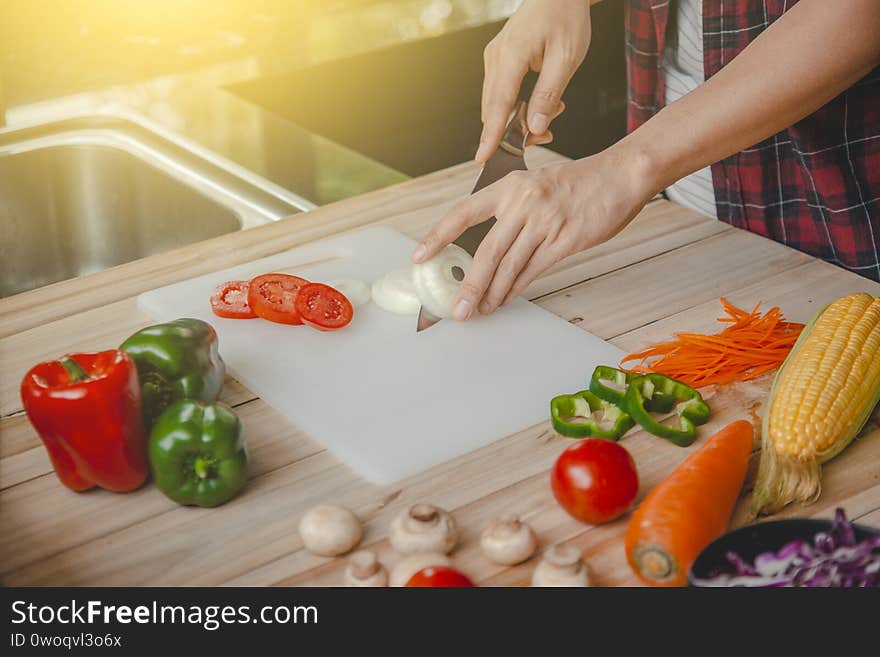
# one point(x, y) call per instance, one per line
point(423, 528)
point(329, 530)
point(508, 541)
point(364, 569)
point(561, 565)
point(409, 566)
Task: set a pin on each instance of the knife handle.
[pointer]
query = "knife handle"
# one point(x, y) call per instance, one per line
point(514, 140)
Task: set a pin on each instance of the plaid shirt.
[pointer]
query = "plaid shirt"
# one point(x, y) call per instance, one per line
point(814, 186)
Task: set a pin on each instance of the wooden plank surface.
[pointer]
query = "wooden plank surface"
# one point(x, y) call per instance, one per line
point(664, 273)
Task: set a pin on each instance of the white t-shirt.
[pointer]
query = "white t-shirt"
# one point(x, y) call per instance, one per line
point(683, 72)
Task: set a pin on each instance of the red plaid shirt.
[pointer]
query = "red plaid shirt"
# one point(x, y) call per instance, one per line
point(814, 186)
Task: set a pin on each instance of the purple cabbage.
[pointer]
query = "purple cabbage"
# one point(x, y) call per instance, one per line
point(833, 559)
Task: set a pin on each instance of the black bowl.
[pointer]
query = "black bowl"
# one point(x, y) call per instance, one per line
point(751, 540)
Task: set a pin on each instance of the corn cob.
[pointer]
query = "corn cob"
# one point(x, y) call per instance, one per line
point(821, 398)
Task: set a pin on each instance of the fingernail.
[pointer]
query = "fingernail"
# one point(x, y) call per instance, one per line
point(485, 308)
point(462, 310)
point(419, 254)
point(539, 123)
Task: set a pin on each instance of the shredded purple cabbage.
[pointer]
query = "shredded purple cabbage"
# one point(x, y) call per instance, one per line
point(833, 559)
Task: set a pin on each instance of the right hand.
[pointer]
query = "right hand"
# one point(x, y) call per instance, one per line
point(550, 37)
point(543, 216)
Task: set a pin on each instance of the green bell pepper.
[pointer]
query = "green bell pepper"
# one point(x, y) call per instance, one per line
point(584, 414)
point(691, 408)
point(610, 384)
point(177, 360)
point(197, 454)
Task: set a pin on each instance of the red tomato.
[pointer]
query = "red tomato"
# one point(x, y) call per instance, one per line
point(322, 307)
point(439, 577)
point(231, 300)
point(272, 297)
point(595, 480)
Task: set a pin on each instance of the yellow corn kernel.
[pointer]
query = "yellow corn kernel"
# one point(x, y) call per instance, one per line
point(820, 400)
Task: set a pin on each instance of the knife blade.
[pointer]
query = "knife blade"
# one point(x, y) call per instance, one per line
point(510, 156)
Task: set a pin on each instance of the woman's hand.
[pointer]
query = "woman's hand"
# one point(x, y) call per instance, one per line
point(542, 217)
point(549, 37)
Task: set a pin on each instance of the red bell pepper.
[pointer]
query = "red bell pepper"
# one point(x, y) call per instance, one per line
point(87, 410)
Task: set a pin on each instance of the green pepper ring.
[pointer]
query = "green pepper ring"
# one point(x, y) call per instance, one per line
point(657, 403)
point(577, 405)
point(692, 410)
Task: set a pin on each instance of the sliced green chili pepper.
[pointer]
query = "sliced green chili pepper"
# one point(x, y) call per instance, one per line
point(691, 408)
point(620, 380)
point(584, 414)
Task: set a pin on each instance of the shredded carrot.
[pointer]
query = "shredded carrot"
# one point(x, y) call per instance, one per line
point(750, 345)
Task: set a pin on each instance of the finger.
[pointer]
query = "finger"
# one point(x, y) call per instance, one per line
point(490, 59)
point(517, 257)
point(547, 136)
point(468, 212)
point(500, 89)
point(539, 140)
point(547, 94)
point(542, 259)
point(486, 260)
point(500, 72)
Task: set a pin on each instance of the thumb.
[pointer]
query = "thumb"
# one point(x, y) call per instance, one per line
point(547, 95)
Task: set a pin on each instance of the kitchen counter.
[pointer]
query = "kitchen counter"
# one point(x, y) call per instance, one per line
point(207, 76)
point(663, 273)
point(174, 68)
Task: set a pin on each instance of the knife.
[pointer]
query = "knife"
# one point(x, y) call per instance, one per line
point(508, 157)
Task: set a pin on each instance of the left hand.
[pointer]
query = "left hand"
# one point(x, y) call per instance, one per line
point(542, 217)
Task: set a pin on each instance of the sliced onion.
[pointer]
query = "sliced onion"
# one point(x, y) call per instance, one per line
point(435, 282)
point(395, 293)
point(354, 290)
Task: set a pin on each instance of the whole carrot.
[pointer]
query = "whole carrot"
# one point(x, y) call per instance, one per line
point(690, 508)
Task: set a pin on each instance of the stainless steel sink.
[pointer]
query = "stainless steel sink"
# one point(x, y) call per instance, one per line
point(84, 194)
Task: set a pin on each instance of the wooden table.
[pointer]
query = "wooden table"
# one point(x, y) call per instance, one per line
point(663, 273)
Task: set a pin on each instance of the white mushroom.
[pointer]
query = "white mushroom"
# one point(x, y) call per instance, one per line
point(365, 570)
point(330, 530)
point(508, 541)
point(409, 566)
point(561, 565)
point(423, 528)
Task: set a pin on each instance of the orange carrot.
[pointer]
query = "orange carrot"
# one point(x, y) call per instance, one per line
point(689, 509)
point(753, 344)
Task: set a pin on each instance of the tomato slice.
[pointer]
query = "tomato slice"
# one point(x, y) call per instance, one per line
point(272, 296)
point(323, 307)
point(230, 300)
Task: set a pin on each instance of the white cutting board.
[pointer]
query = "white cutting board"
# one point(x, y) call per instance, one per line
point(384, 399)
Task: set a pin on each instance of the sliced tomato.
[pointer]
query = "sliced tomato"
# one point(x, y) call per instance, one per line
point(323, 307)
point(230, 300)
point(272, 297)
